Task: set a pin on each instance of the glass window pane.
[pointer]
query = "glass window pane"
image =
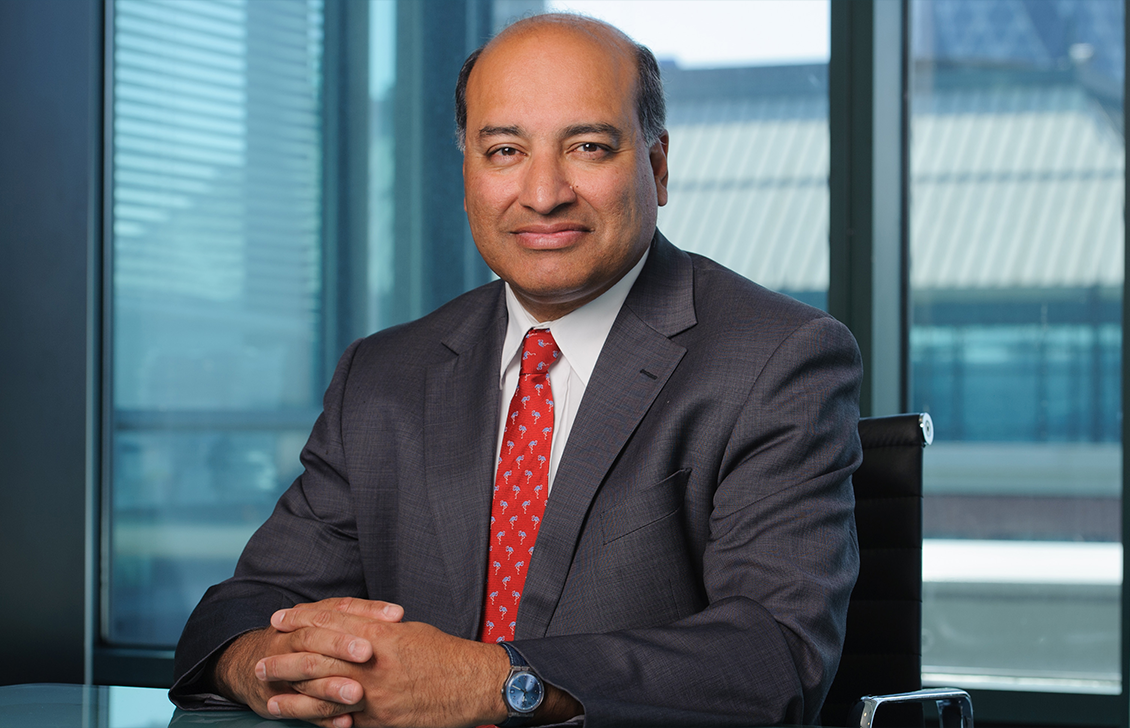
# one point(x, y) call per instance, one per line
point(747, 111)
point(749, 142)
point(420, 250)
point(216, 291)
point(1017, 245)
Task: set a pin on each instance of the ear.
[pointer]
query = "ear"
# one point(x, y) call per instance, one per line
point(658, 156)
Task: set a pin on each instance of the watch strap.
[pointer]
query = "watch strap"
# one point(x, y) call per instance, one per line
point(516, 659)
point(517, 663)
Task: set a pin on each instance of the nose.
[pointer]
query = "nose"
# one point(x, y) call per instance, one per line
point(545, 185)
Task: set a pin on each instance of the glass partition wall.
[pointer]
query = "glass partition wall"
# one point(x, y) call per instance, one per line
point(1017, 242)
point(216, 278)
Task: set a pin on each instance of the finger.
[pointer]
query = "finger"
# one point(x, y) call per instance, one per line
point(340, 690)
point(338, 721)
point(303, 707)
point(292, 620)
point(335, 643)
point(299, 666)
point(318, 634)
point(380, 611)
point(373, 609)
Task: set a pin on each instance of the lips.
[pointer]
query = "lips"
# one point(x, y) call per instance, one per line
point(550, 236)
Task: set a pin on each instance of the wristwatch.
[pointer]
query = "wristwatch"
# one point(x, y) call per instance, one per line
point(522, 692)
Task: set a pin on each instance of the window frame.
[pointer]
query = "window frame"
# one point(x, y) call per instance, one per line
point(869, 126)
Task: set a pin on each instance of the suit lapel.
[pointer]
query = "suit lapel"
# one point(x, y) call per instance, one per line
point(637, 360)
point(460, 422)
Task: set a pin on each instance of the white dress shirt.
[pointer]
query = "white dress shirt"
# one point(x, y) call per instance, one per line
point(580, 336)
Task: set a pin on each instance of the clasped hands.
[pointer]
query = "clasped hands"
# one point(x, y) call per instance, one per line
point(345, 663)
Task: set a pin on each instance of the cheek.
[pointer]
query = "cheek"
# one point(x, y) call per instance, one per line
point(485, 196)
point(626, 206)
point(483, 219)
point(612, 196)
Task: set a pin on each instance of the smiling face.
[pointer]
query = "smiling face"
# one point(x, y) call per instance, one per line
point(561, 190)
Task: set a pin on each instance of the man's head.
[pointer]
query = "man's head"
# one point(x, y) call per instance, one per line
point(565, 157)
point(651, 107)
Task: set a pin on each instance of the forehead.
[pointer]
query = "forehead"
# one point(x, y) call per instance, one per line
point(553, 74)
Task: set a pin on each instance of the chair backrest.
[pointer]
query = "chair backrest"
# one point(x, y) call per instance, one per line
point(883, 648)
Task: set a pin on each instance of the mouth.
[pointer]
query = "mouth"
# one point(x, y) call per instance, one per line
point(550, 236)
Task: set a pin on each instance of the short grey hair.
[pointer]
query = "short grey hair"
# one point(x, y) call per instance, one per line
point(651, 107)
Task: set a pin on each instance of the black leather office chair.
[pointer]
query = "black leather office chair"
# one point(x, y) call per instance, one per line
point(882, 656)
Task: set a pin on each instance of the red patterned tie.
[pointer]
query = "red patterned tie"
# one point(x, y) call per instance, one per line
point(520, 486)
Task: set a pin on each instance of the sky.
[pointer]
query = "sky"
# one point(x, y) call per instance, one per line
point(718, 33)
point(693, 33)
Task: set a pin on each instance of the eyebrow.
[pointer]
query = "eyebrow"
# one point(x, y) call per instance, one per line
point(494, 131)
point(583, 129)
point(576, 130)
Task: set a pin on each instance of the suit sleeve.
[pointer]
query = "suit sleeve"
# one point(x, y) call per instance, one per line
point(778, 568)
point(306, 551)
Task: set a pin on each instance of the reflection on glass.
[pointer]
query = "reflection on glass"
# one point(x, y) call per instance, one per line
point(216, 291)
point(138, 708)
point(91, 706)
point(1017, 245)
point(382, 167)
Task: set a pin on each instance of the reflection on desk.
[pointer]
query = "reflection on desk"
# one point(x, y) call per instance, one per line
point(93, 706)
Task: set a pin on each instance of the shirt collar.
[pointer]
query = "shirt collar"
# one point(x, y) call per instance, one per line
point(579, 334)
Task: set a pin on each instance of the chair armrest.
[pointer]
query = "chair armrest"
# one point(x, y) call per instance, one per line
point(955, 709)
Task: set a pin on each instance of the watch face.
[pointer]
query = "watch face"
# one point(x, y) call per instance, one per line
point(524, 692)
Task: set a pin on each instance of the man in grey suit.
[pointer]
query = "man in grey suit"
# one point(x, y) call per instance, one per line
point(697, 548)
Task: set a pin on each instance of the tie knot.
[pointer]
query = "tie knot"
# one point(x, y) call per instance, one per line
point(539, 351)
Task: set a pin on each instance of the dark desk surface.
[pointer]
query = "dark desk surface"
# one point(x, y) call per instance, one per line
point(90, 706)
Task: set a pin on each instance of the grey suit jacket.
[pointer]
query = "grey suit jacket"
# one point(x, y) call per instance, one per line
point(698, 547)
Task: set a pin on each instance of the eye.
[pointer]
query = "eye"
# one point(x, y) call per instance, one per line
point(503, 155)
point(592, 150)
